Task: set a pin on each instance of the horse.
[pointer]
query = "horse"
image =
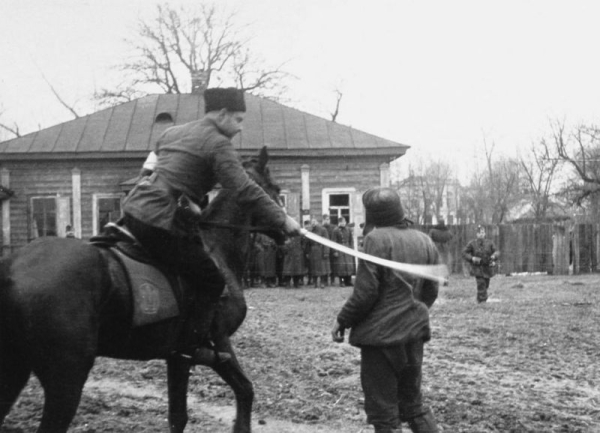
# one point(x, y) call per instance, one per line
point(60, 309)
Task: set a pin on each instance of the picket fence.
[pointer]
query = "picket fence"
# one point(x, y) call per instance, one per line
point(554, 248)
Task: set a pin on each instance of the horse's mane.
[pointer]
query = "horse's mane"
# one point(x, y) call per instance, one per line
point(229, 246)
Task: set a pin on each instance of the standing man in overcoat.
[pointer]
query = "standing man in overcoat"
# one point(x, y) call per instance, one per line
point(482, 255)
point(326, 222)
point(318, 256)
point(343, 264)
point(294, 264)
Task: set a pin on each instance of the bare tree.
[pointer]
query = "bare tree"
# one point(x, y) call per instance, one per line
point(476, 200)
point(14, 129)
point(425, 189)
point(182, 42)
point(504, 185)
point(539, 169)
point(580, 150)
point(494, 190)
point(338, 100)
point(61, 100)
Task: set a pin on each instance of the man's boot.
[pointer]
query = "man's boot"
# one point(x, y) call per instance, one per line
point(424, 423)
point(203, 351)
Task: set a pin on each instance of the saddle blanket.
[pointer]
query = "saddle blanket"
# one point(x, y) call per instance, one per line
point(153, 298)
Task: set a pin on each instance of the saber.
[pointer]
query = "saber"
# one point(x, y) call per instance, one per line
point(438, 273)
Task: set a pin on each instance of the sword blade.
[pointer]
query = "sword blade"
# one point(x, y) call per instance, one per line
point(438, 273)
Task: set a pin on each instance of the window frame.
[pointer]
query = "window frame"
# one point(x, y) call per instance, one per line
point(32, 213)
point(96, 208)
point(326, 192)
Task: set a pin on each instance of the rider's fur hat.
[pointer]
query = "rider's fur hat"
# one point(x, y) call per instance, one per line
point(382, 207)
point(230, 98)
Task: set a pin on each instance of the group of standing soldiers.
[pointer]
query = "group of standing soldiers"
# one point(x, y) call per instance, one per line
point(287, 265)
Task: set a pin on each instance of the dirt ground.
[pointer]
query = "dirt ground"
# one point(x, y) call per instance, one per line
point(527, 361)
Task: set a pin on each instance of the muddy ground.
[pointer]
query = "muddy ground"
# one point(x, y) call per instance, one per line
point(527, 361)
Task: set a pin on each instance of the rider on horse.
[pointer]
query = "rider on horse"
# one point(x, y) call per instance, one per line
point(161, 210)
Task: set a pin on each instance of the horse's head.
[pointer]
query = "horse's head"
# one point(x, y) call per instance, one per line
point(259, 172)
point(233, 243)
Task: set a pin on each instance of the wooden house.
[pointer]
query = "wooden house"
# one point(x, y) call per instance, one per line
point(73, 176)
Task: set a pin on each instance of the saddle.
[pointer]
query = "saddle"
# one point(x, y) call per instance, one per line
point(157, 294)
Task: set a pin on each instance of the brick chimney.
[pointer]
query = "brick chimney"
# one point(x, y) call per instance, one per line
point(199, 81)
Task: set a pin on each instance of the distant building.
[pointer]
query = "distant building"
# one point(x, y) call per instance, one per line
point(76, 173)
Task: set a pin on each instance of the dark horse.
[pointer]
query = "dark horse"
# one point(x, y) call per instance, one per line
point(60, 309)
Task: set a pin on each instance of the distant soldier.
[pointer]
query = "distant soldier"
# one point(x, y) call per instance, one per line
point(269, 259)
point(343, 264)
point(318, 256)
point(294, 267)
point(69, 233)
point(481, 254)
point(326, 222)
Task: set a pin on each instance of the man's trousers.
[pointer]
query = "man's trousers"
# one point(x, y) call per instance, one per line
point(391, 382)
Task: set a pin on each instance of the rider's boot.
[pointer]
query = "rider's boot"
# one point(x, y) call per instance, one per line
point(203, 352)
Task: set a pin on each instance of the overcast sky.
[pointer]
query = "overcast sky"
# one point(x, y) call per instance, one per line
point(441, 76)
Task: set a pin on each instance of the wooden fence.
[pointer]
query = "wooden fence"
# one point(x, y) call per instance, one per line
point(558, 248)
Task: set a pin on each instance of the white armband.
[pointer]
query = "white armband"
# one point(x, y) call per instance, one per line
point(150, 162)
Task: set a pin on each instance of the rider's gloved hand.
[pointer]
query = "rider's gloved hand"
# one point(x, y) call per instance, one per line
point(291, 227)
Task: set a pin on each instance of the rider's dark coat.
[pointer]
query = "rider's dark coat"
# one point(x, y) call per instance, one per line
point(192, 159)
point(343, 264)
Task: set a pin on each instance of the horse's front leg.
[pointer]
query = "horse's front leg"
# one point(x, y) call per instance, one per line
point(232, 373)
point(178, 376)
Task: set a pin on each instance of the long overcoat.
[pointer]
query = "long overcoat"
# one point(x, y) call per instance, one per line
point(268, 255)
point(293, 261)
point(343, 264)
point(318, 254)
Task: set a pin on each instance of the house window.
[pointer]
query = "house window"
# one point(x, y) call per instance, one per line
point(283, 200)
point(107, 208)
point(164, 118)
point(339, 206)
point(43, 217)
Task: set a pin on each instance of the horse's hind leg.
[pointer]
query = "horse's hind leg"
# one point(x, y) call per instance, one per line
point(232, 373)
point(62, 380)
point(14, 374)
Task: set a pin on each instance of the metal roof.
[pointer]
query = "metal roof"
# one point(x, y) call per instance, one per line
point(132, 129)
